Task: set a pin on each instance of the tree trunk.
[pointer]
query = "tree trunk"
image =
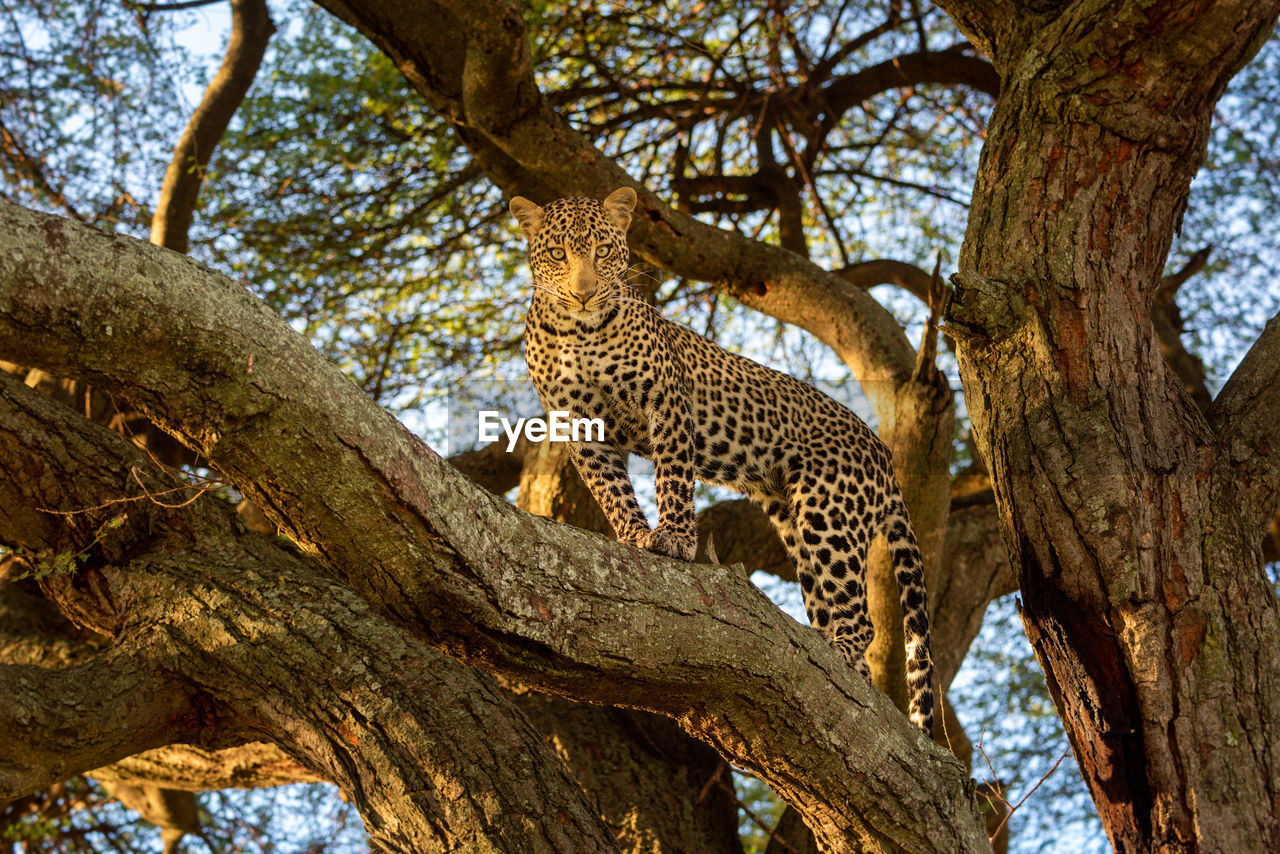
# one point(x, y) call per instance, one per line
point(1135, 525)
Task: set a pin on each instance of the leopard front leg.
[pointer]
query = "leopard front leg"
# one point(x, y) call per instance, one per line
point(604, 470)
point(671, 432)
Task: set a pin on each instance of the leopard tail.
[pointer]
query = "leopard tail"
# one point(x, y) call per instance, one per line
point(909, 571)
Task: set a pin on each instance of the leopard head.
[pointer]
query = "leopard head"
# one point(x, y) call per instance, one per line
point(578, 248)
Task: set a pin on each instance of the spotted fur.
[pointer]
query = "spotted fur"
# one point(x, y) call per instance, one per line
point(697, 411)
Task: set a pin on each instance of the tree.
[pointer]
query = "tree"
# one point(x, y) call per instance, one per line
point(453, 570)
point(1134, 522)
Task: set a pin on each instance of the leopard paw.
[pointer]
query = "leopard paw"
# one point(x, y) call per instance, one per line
point(667, 542)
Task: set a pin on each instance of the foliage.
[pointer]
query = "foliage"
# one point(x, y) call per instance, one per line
point(66, 563)
point(358, 216)
point(91, 104)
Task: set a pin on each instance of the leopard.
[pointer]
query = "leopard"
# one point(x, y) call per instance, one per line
point(696, 411)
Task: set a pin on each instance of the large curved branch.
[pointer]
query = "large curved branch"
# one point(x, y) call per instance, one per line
point(543, 603)
point(251, 29)
point(946, 68)
point(299, 659)
point(32, 632)
point(887, 271)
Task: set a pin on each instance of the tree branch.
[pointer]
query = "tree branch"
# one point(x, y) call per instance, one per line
point(56, 723)
point(176, 6)
point(947, 68)
point(1170, 284)
point(251, 29)
point(887, 271)
point(926, 369)
point(975, 570)
point(506, 591)
point(1188, 367)
point(1246, 415)
point(32, 632)
point(252, 765)
point(173, 811)
point(302, 660)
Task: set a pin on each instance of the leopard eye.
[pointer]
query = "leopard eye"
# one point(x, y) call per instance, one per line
point(603, 250)
point(557, 253)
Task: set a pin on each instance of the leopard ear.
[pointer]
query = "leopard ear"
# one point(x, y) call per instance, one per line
point(619, 205)
point(527, 214)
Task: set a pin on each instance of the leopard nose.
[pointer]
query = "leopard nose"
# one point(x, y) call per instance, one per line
point(584, 296)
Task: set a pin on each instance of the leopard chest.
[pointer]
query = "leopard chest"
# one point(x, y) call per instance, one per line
point(592, 380)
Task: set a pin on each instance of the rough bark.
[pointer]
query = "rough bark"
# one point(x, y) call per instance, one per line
point(645, 775)
point(33, 632)
point(458, 567)
point(1134, 524)
point(58, 723)
point(199, 607)
point(647, 778)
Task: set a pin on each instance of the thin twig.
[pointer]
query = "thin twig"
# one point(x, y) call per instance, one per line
point(997, 789)
point(717, 779)
point(1046, 776)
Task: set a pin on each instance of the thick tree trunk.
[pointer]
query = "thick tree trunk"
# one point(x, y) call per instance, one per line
point(1135, 525)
